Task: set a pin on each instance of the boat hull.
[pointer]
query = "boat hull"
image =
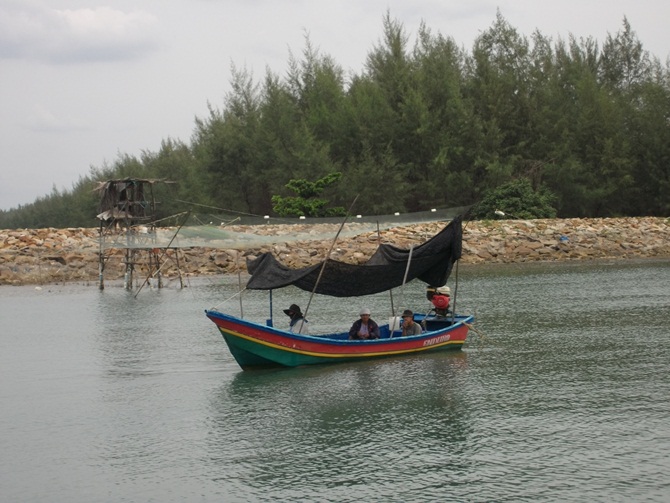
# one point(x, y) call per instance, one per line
point(256, 346)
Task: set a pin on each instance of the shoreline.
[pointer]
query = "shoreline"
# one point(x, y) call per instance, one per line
point(51, 256)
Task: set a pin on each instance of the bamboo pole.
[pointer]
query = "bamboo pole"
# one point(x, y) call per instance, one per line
point(332, 245)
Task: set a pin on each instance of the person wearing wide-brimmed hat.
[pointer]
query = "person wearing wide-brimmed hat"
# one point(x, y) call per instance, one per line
point(364, 328)
point(409, 326)
point(298, 323)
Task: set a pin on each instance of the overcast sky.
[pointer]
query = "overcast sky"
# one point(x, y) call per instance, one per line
point(82, 81)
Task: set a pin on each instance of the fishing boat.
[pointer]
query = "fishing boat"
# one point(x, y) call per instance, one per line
point(259, 345)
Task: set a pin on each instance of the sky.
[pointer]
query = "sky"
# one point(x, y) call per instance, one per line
point(85, 81)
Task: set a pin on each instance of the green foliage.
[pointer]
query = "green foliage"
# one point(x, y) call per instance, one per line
point(306, 202)
point(422, 125)
point(517, 200)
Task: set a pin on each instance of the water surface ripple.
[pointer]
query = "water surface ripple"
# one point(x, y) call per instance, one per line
point(564, 396)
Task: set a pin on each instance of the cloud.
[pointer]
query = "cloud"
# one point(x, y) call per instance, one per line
point(40, 119)
point(69, 36)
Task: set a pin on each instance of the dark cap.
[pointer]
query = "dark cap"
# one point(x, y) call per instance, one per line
point(293, 308)
point(407, 312)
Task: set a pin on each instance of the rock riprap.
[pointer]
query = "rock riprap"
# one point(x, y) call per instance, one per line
point(41, 256)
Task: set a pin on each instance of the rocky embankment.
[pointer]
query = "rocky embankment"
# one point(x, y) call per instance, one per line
point(41, 256)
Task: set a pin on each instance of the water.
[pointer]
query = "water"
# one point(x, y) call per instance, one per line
point(565, 396)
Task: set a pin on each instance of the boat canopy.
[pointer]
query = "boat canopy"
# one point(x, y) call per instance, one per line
point(430, 262)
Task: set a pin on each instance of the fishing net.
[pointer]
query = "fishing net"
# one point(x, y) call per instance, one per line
point(234, 231)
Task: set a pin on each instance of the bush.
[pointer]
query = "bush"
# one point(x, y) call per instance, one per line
point(517, 200)
point(306, 203)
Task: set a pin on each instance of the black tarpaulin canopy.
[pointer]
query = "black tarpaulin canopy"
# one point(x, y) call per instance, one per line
point(431, 262)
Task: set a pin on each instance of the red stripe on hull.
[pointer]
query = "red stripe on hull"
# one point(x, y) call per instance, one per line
point(310, 344)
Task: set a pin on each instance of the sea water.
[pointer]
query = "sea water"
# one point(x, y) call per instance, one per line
point(562, 394)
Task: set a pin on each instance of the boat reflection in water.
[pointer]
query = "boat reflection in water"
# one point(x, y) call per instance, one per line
point(332, 416)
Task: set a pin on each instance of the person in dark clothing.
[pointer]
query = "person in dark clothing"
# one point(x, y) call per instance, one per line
point(298, 324)
point(365, 328)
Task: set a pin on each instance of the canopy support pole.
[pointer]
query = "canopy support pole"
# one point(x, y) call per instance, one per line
point(453, 308)
point(239, 285)
point(404, 279)
point(332, 245)
point(379, 238)
point(402, 289)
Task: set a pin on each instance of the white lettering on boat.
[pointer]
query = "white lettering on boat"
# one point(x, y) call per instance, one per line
point(437, 340)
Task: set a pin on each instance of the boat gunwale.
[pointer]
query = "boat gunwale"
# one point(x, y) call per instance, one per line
point(459, 320)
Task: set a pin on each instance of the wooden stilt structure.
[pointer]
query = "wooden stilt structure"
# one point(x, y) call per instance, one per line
point(128, 228)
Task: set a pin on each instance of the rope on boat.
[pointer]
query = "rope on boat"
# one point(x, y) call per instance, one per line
point(475, 330)
point(231, 297)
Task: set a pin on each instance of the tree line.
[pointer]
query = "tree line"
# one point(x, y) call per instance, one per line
point(423, 125)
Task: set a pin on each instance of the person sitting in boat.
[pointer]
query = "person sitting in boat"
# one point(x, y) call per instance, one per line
point(440, 297)
point(409, 327)
point(298, 323)
point(365, 328)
